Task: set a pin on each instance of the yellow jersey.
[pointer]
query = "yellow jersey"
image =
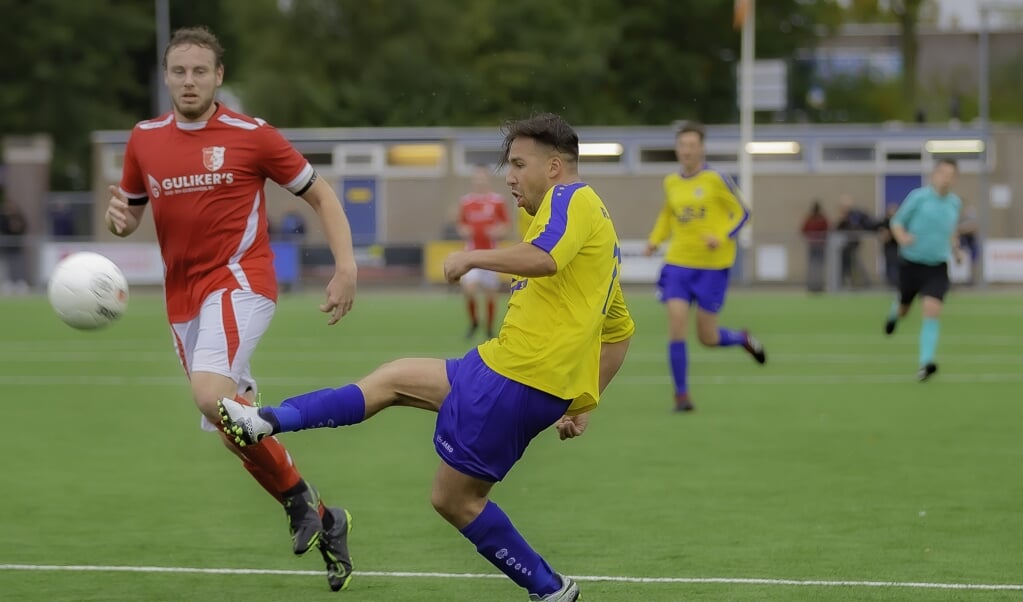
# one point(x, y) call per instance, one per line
point(704, 203)
point(524, 221)
point(551, 335)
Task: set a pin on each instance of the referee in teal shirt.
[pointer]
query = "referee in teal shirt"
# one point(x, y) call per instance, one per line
point(925, 229)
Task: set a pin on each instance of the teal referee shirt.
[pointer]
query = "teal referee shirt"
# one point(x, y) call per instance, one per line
point(931, 219)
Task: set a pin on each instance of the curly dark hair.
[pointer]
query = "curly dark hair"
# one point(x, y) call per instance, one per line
point(545, 128)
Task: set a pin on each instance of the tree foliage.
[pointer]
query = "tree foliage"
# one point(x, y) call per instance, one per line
point(407, 62)
point(67, 70)
point(73, 67)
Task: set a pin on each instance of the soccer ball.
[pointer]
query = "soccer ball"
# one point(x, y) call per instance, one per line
point(88, 291)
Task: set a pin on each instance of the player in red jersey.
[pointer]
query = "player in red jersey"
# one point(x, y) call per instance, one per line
point(482, 221)
point(202, 168)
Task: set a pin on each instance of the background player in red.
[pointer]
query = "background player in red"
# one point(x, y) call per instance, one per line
point(482, 222)
point(202, 168)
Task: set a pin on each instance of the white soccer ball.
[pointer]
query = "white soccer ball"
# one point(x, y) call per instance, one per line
point(88, 291)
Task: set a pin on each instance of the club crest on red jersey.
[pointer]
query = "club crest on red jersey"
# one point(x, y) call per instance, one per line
point(213, 157)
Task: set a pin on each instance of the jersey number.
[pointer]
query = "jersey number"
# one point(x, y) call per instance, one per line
point(614, 274)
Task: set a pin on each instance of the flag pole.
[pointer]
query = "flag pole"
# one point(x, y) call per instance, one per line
point(746, 58)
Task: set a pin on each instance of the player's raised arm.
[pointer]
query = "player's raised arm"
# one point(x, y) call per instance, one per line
point(341, 288)
point(661, 230)
point(522, 259)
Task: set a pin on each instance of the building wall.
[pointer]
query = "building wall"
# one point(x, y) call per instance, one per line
point(416, 204)
point(948, 59)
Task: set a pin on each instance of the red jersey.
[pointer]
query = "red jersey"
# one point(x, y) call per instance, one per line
point(481, 212)
point(205, 182)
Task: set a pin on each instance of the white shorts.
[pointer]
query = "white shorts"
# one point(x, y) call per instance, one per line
point(484, 278)
point(222, 338)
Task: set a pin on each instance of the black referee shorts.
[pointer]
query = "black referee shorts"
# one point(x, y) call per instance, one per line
point(922, 279)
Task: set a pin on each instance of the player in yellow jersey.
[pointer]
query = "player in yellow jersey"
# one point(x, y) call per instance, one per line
point(563, 338)
point(702, 214)
point(525, 220)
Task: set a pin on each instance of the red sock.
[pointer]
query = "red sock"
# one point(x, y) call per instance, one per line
point(490, 314)
point(270, 464)
point(471, 303)
point(264, 478)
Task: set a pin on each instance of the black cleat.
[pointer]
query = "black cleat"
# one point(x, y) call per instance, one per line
point(683, 403)
point(472, 331)
point(926, 371)
point(889, 325)
point(754, 348)
point(303, 510)
point(337, 524)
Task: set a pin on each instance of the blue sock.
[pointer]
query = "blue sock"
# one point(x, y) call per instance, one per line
point(679, 365)
point(323, 408)
point(730, 338)
point(497, 540)
point(928, 340)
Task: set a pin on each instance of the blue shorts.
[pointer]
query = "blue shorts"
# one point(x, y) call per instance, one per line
point(487, 420)
point(706, 287)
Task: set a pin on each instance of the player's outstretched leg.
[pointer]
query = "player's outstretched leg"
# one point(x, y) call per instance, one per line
point(678, 360)
point(470, 308)
point(893, 317)
point(337, 524)
point(926, 371)
point(497, 540)
point(754, 347)
point(317, 409)
point(929, 333)
point(271, 465)
point(726, 337)
point(569, 592)
point(302, 505)
point(713, 335)
point(246, 425)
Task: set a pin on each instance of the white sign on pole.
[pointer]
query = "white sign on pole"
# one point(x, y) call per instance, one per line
point(1001, 196)
point(1003, 260)
point(770, 85)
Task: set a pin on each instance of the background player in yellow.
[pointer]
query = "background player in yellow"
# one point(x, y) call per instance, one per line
point(564, 336)
point(701, 216)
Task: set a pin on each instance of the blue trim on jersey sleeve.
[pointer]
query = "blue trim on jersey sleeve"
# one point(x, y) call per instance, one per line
point(729, 182)
point(742, 222)
point(734, 189)
point(556, 226)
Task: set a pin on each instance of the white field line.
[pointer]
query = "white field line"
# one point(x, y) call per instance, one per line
point(342, 341)
point(307, 357)
point(309, 382)
point(433, 575)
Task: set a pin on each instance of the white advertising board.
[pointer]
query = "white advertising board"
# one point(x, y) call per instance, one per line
point(1003, 260)
point(140, 262)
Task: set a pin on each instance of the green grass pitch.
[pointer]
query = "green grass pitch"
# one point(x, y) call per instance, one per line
point(830, 463)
